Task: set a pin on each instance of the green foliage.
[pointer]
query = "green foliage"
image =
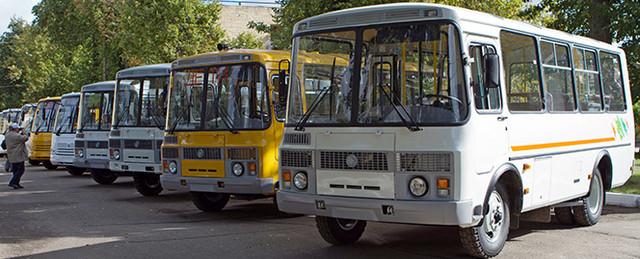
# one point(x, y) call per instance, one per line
point(75, 42)
point(292, 11)
point(246, 40)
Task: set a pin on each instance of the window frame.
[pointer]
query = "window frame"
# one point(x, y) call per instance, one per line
point(500, 87)
point(598, 73)
point(622, 84)
point(570, 69)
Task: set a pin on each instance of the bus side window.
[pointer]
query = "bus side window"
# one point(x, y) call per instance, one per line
point(485, 98)
point(520, 57)
point(557, 77)
point(614, 99)
point(278, 109)
point(587, 80)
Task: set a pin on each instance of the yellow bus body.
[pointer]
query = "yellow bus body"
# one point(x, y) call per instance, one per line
point(41, 141)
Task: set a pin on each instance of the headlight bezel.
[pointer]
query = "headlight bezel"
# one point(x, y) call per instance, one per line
point(173, 167)
point(301, 177)
point(80, 152)
point(419, 192)
point(116, 154)
point(237, 166)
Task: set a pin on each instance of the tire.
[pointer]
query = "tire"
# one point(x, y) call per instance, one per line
point(564, 215)
point(147, 184)
point(34, 162)
point(48, 165)
point(589, 212)
point(487, 239)
point(340, 231)
point(75, 171)
point(104, 177)
point(209, 202)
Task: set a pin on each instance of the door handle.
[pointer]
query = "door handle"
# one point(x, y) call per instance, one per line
point(502, 118)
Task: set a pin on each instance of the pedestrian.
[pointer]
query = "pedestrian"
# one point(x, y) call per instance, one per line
point(16, 153)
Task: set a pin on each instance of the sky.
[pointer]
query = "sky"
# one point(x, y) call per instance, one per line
point(15, 8)
point(22, 9)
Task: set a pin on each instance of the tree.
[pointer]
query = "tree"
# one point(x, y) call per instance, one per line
point(291, 11)
point(246, 40)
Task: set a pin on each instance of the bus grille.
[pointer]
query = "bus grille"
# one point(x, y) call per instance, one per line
point(367, 161)
point(203, 153)
point(138, 144)
point(169, 153)
point(296, 158)
point(171, 139)
point(42, 148)
point(425, 162)
point(97, 144)
point(242, 153)
point(297, 138)
point(114, 143)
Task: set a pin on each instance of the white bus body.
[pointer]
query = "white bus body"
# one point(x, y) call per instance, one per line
point(26, 119)
point(64, 133)
point(138, 129)
point(92, 136)
point(358, 167)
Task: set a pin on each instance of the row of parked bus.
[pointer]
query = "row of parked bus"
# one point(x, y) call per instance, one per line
point(405, 113)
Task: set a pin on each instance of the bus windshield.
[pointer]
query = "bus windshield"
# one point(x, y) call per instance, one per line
point(45, 114)
point(96, 111)
point(405, 73)
point(141, 102)
point(226, 97)
point(67, 115)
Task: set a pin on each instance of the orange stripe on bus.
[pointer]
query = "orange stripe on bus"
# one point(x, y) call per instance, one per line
point(561, 144)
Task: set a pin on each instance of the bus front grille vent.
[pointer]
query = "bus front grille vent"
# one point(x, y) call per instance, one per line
point(171, 139)
point(425, 162)
point(203, 153)
point(297, 138)
point(97, 144)
point(114, 143)
point(365, 161)
point(296, 158)
point(242, 153)
point(138, 144)
point(170, 153)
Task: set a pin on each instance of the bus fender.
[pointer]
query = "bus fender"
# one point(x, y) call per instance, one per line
point(606, 175)
point(516, 202)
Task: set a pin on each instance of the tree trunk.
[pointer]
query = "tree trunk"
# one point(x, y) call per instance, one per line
point(600, 20)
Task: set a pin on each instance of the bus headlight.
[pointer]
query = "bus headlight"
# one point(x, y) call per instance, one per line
point(237, 169)
point(418, 186)
point(300, 180)
point(115, 154)
point(173, 167)
point(80, 152)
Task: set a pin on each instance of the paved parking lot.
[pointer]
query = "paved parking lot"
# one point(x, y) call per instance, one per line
point(61, 216)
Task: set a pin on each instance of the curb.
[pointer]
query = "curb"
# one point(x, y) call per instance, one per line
point(623, 200)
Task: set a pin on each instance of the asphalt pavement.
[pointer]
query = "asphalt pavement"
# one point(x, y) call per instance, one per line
point(62, 216)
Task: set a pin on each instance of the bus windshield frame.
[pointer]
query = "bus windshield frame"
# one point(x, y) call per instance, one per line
point(44, 118)
point(237, 98)
point(415, 67)
point(96, 107)
point(138, 105)
point(67, 115)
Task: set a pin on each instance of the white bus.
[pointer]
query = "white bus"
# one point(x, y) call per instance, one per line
point(138, 125)
point(447, 116)
point(64, 133)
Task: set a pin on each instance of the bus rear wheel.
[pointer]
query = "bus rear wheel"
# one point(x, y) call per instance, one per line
point(147, 184)
point(75, 171)
point(103, 176)
point(48, 165)
point(209, 202)
point(340, 231)
point(589, 212)
point(34, 162)
point(487, 239)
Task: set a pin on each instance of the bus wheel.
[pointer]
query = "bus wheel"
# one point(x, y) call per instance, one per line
point(564, 215)
point(75, 171)
point(209, 202)
point(340, 231)
point(103, 176)
point(34, 162)
point(48, 165)
point(487, 239)
point(589, 212)
point(147, 184)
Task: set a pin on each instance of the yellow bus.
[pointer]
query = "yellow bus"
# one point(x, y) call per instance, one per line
point(223, 127)
point(41, 132)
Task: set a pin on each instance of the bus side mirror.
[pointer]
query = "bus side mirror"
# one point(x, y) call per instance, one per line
point(282, 88)
point(492, 70)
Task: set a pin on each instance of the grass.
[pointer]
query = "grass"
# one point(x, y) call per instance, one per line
point(633, 184)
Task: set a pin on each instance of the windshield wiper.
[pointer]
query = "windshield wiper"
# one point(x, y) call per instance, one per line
point(412, 125)
point(317, 100)
point(181, 116)
point(122, 113)
point(226, 118)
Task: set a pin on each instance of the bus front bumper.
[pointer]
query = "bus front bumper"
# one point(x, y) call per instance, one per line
point(135, 167)
point(231, 185)
point(91, 163)
point(451, 213)
point(62, 160)
point(173, 183)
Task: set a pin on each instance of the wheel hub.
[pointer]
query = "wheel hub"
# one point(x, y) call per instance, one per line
point(495, 217)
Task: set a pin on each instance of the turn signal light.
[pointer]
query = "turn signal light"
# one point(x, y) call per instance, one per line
point(286, 179)
point(443, 183)
point(252, 168)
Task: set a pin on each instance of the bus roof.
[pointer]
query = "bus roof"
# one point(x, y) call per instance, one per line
point(407, 12)
point(103, 86)
point(155, 70)
point(28, 105)
point(48, 99)
point(70, 95)
point(12, 110)
point(231, 56)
